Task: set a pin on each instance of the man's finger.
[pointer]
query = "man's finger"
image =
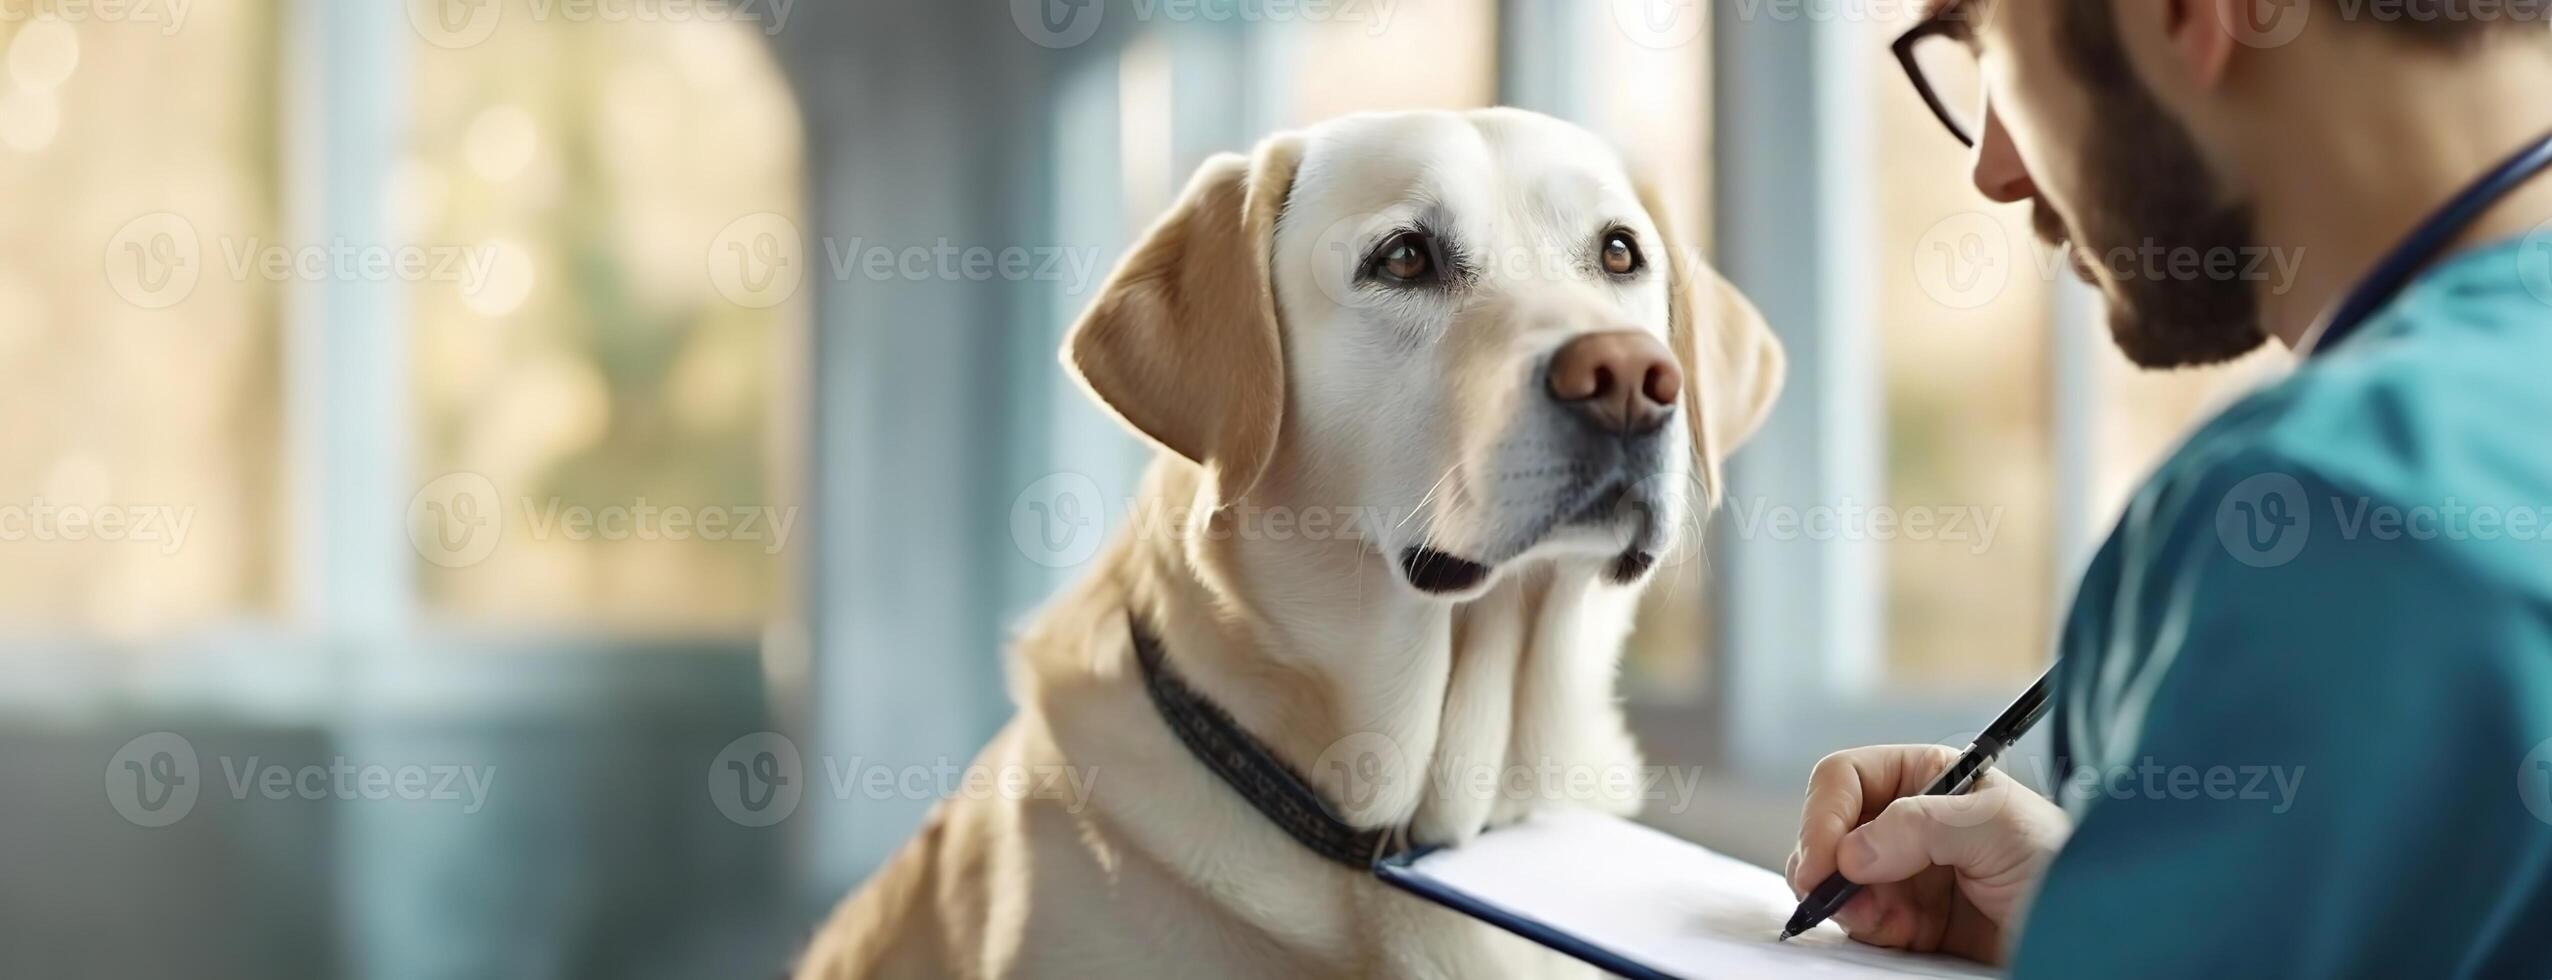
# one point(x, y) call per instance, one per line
point(1921, 832)
point(1833, 808)
point(1848, 786)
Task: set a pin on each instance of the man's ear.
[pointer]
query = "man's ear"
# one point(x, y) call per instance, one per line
point(2205, 33)
point(1182, 342)
point(1733, 365)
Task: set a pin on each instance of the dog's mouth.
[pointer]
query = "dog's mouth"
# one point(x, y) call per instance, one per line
point(1439, 573)
point(1617, 512)
point(1628, 514)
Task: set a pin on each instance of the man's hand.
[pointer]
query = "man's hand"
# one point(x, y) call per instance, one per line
point(1945, 874)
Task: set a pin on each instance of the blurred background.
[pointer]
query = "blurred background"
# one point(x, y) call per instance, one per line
point(487, 485)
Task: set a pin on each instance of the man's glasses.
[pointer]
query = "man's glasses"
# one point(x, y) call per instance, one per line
point(1942, 66)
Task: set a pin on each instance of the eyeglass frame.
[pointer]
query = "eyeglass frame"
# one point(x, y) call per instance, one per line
point(1940, 24)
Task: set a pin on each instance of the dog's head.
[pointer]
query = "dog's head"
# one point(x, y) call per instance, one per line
point(1472, 330)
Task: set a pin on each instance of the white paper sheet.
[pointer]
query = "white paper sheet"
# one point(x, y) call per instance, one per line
point(1659, 901)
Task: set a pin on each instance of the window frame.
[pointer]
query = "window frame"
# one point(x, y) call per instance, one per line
point(1804, 623)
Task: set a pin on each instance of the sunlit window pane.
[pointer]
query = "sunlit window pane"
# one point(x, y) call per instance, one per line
point(1963, 304)
point(1648, 96)
point(1427, 54)
point(2145, 414)
point(138, 358)
point(611, 380)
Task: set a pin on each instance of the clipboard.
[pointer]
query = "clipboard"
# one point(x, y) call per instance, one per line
point(1642, 904)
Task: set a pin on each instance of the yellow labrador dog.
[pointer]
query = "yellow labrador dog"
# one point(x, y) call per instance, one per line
point(1416, 380)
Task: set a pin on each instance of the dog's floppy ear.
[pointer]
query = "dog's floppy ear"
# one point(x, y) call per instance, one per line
point(1182, 342)
point(1733, 365)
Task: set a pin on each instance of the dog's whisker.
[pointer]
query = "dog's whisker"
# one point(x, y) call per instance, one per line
point(1431, 492)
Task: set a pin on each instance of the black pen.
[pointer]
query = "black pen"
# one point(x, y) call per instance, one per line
point(1831, 894)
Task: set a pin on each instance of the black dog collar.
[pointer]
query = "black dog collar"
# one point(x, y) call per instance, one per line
point(1249, 768)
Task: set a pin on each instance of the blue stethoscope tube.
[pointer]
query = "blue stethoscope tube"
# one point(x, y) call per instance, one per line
point(2403, 264)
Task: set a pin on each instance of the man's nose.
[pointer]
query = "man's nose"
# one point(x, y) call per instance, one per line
point(1622, 381)
point(1998, 171)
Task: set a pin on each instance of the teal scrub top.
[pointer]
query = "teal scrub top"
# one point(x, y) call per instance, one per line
point(2304, 711)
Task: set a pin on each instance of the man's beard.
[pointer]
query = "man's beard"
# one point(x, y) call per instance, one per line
point(2148, 193)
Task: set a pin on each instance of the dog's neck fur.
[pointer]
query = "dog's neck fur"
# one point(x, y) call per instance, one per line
point(1319, 651)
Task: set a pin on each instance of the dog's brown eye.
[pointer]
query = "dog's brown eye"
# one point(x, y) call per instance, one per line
point(1405, 258)
point(1621, 256)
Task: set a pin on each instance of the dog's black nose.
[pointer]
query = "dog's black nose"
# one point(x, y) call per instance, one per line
point(1623, 381)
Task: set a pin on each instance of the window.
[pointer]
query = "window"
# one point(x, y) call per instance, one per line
point(594, 370)
point(138, 341)
point(1964, 313)
point(1944, 366)
point(1431, 54)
